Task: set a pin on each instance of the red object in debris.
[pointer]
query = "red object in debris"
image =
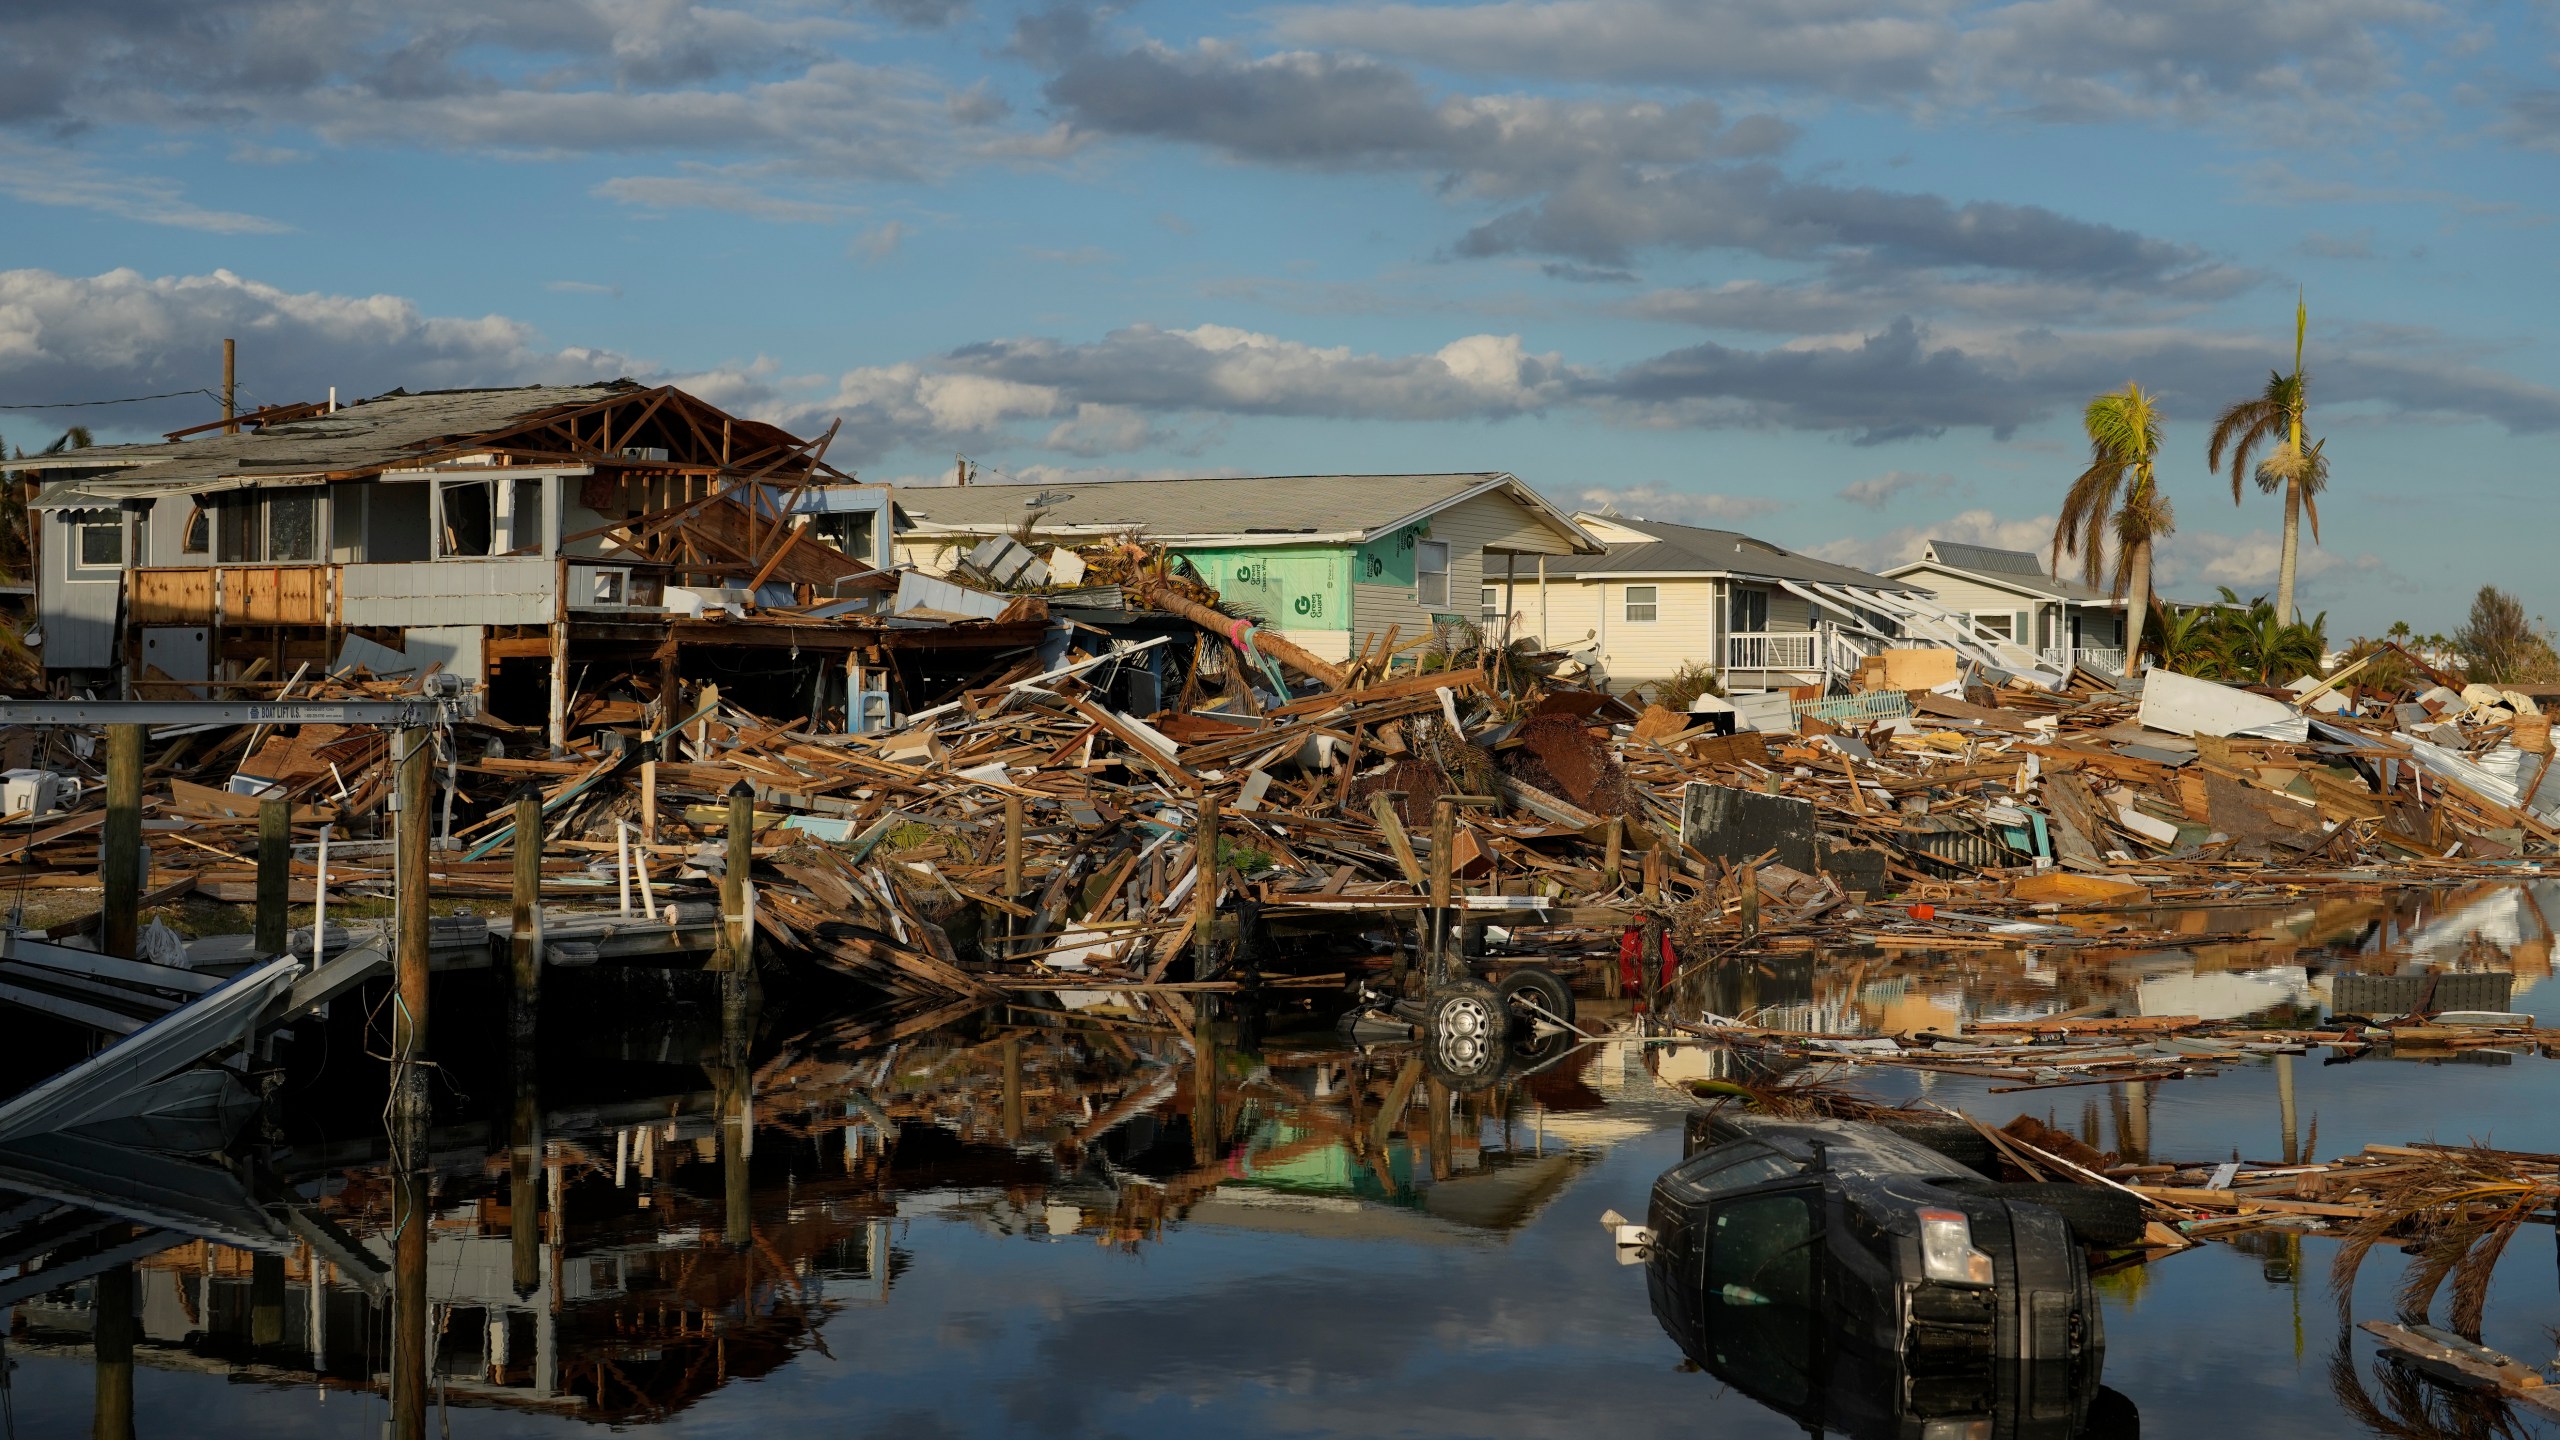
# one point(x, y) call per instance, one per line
point(1631, 947)
point(1923, 912)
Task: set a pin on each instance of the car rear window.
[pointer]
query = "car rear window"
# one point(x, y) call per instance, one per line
point(1760, 1289)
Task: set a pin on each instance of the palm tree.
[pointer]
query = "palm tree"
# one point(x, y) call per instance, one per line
point(2124, 441)
point(2298, 473)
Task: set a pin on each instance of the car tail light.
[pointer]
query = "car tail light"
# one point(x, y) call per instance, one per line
point(1946, 1250)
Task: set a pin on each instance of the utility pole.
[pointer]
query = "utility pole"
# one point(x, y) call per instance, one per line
point(230, 376)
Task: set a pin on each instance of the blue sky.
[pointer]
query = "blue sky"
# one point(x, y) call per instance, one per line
point(1837, 273)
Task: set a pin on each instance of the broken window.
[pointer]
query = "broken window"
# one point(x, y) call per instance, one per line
point(855, 532)
point(467, 517)
point(1999, 622)
point(197, 537)
point(293, 526)
point(1431, 573)
point(97, 540)
point(524, 516)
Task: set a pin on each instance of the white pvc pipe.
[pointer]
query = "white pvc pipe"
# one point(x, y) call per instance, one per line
point(320, 905)
point(622, 863)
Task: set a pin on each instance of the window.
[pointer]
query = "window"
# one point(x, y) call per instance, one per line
point(293, 526)
point(524, 512)
point(2000, 623)
point(97, 540)
point(466, 517)
point(239, 529)
point(1431, 572)
point(197, 538)
point(1643, 604)
point(1760, 1290)
point(1749, 612)
point(1489, 604)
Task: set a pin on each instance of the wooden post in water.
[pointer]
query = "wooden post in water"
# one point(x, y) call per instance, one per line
point(1444, 843)
point(2286, 1113)
point(524, 1149)
point(1013, 1089)
point(1204, 891)
point(120, 859)
point(275, 876)
point(409, 1340)
point(737, 939)
point(412, 748)
point(111, 1334)
point(524, 952)
point(409, 885)
point(266, 1300)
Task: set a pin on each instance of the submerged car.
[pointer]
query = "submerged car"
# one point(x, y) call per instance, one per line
point(1864, 1282)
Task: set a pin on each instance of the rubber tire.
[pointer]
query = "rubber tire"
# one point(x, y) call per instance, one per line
point(1544, 986)
point(2100, 1218)
point(1464, 1034)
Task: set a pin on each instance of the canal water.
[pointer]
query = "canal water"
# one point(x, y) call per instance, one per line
point(1155, 1220)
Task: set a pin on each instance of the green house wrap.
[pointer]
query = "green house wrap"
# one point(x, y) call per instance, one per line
point(1388, 560)
point(1297, 587)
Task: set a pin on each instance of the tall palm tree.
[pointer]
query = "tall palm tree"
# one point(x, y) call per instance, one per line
point(2298, 473)
point(2120, 493)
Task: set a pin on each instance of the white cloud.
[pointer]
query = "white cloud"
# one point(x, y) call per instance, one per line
point(1677, 507)
point(879, 242)
point(124, 333)
point(38, 176)
point(661, 193)
point(1970, 527)
point(1878, 491)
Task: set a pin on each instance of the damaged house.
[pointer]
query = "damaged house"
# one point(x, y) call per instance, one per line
point(576, 553)
point(1332, 562)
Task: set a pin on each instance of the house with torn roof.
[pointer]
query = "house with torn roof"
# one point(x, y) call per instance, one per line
point(1665, 596)
point(570, 552)
point(1333, 562)
point(2010, 594)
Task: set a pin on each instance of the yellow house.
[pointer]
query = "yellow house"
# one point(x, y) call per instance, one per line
point(1664, 596)
point(2058, 621)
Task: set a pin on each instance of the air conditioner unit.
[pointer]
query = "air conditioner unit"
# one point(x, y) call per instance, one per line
point(646, 454)
point(30, 792)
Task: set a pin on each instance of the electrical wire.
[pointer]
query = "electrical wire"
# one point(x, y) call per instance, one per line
point(127, 400)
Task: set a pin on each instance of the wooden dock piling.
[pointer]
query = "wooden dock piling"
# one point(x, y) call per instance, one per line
point(275, 875)
point(120, 859)
point(524, 951)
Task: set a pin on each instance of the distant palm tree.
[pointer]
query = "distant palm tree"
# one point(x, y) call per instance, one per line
point(2298, 473)
point(2124, 441)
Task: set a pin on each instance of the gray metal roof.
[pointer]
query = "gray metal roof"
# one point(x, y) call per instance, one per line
point(384, 432)
point(2015, 569)
point(1691, 550)
point(1279, 506)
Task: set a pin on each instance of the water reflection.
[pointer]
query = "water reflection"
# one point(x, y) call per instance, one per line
point(620, 1261)
point(1244, 1201)
point(2218, 962)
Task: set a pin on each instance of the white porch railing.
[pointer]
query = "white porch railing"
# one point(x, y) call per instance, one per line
point(1772, 650)
point(2107, 658)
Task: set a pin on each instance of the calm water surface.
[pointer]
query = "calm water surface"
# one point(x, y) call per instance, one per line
point(1101, 1225)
